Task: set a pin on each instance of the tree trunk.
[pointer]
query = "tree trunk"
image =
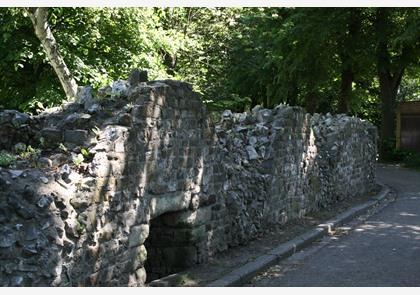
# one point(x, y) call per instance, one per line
point(388, 88)
point(311, 102)
point(345, 90)
point(388, 81)
point(292, 94)
point(347, 59)
point(39, 18)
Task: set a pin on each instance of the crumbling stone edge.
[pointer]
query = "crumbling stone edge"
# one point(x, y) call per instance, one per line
point(245, 272)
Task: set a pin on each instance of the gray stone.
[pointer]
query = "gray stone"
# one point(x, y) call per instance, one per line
point(16, 281)
point(119, 88)
point(65, 172)
point(94, 108)
point(78, 136)
point(15, 173)
point(44, 162)
point(125, 119)
point(141, 276)
point(84, 97)
point(252, 153)
point(45, 201)
point(8, 238)
point(43, 179)
point(138, 234)
point(200, 188)
point(52, 135)
point(20, 119)
point(227, 114)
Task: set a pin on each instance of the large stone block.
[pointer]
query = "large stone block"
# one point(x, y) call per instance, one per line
point(188, 218)
point(138, 234)
point(78, 136)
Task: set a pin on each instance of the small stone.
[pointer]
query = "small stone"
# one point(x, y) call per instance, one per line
point(8, 238)
point(77, 119)
point(84, 96)
point(43, 179)
point(227, 114)
point(119, 88)
point(30, 249)
point(141, 276)
point(44, 162)
point(65, 172)
point(253, 140)
point(252, 153)
point(71, 227)
point(195, 203)
point(15, 173)
point(20, 119)
point(31, 232)
point(16, 281)
point(94, 108)
point(58, 159)
point(45, 201)
point(125, 120)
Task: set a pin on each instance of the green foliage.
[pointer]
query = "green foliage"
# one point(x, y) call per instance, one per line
point(235, 57)
point(63, 148)
point(6, 159)
point(412, 159)
point(78, 159)
point(30, 153)
point(87, 155)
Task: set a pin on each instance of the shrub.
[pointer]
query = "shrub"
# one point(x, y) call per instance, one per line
point(6, 159)
point(412, 159)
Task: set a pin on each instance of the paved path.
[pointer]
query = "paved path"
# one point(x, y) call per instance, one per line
point(383, 251)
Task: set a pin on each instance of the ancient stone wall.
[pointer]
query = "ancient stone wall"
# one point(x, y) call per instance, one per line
point(136, 182)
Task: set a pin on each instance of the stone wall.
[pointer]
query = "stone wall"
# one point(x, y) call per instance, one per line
point(161, 187)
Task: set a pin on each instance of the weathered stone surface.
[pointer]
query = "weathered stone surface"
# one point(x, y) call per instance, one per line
point(138, 235)
point(78, 136)
point(52, 135)
point(161, 188)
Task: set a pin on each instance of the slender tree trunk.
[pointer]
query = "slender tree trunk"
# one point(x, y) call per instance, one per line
point(39, 18)
point(345, 90)
point(388, 88)
point(292, 94)
point(389, 81)
point(347, 59)
point(311, 102)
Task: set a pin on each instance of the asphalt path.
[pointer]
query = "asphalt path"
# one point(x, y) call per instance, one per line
point(383, 251)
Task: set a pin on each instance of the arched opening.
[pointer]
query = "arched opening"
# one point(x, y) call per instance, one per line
point(173, 245)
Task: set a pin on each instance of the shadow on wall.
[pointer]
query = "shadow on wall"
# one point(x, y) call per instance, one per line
point(86, 226)
point(161, 188)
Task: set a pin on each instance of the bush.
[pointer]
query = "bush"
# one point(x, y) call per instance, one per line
point(6, 159)
point(412, 160)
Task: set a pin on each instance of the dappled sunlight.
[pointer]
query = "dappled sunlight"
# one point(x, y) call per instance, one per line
point(408, 214)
